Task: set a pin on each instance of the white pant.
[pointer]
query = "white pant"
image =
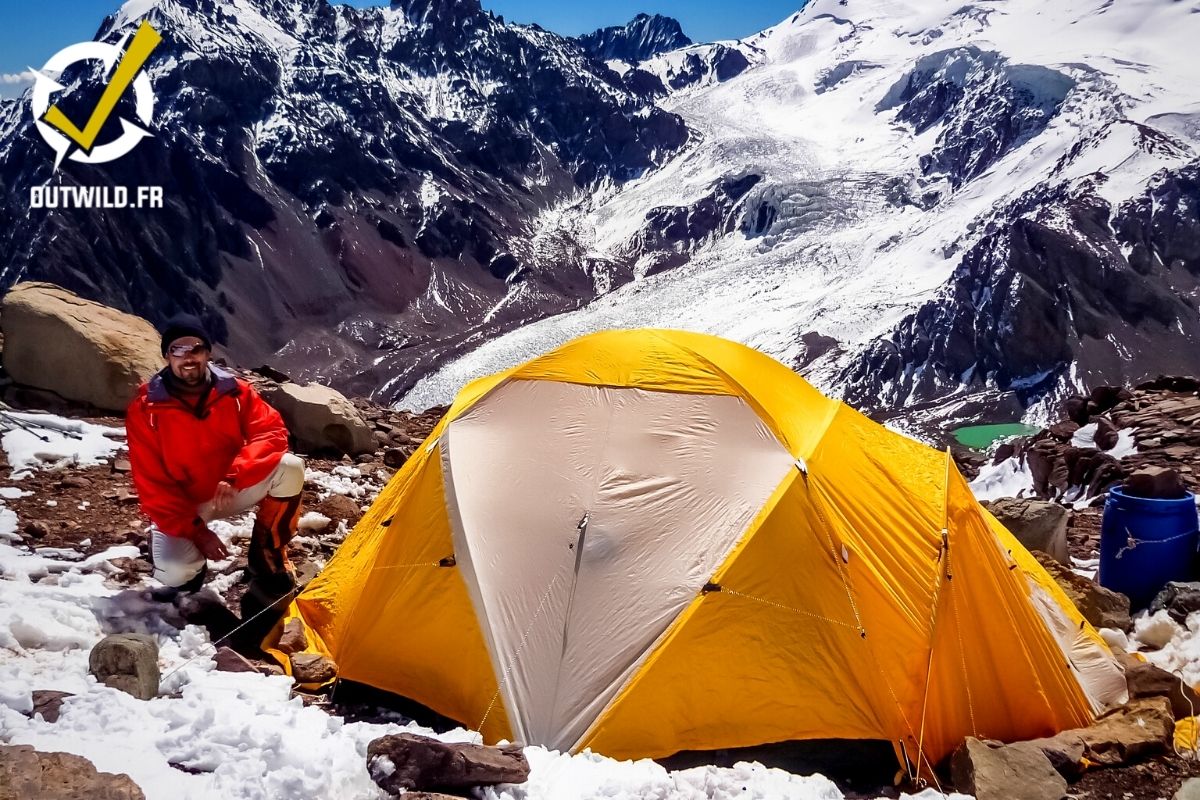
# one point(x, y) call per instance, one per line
point(178, 560)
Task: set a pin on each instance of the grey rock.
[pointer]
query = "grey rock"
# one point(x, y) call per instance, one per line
point(1190, 790)
point(1005, 773)
point(321, 419)
point(1037, 524)
point(1064, 752)
point(127, 661)
point(1179, 599)
point(26, 774)
point(404, 762)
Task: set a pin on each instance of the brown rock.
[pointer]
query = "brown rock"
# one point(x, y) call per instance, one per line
point(1106, 434)
point(47, 703)
point(1143, 728)
point(229, 660)
point(395, 457)
point(1063, 431)
point(132, 568)
point(312, 668)
point(405, 761)
point(26, 774)
point(1075, 408)
point(339, 506)
point(36, 529)
point(1101, 607)
point(293, 639)
point(84, 351)
point(121, 465)
point(1146, 680)
point(1155, 482)
point(75, 482)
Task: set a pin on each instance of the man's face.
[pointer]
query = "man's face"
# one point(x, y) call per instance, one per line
point(188, 359)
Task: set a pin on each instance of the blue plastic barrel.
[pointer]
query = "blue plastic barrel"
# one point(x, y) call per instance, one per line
point(1145, 543)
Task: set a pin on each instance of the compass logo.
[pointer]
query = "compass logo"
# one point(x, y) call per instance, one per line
point(123, 70)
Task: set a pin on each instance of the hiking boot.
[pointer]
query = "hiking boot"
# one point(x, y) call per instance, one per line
point(171, 594)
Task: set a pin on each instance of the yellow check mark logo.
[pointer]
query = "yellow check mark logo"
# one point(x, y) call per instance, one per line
point(143, 44)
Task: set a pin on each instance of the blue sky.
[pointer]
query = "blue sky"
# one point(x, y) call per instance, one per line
point(31, 32)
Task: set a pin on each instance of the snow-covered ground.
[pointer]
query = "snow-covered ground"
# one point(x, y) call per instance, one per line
point(840, 260)
point(213, 734)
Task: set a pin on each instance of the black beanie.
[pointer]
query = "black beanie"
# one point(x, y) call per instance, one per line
point(182, 325)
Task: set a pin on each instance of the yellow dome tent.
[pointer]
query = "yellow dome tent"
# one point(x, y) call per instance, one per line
point(649, 541)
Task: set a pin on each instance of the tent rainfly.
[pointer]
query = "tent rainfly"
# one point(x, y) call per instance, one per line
point(649, 541)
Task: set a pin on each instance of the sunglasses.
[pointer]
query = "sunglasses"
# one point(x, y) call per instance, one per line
point(181, 350)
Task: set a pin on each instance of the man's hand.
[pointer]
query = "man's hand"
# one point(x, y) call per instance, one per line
point(210, 545)
point(222, 499)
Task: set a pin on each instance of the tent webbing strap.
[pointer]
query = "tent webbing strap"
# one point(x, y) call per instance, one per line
point(448, 561)
point(713, 587)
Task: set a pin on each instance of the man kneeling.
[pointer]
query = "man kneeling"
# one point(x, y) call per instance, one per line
point(204, 445)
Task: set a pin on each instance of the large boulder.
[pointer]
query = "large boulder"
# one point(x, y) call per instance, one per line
point(1103, 608)
point(1141, 729)
point(320, 419)
point(127, 661)
point(26, 774)
point(83, 351)
point(1005, 773)
point(404, 762)
point(1037, 524)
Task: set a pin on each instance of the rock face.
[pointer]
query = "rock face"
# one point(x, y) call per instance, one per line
point(1101, 607)
point(405, 762)
point(1005, 773)
point(321, 419)
point(640, 38)
point(1037, 524)
point(1028, 302)
point(26, 774)
point(84, 351)
point(127, 661)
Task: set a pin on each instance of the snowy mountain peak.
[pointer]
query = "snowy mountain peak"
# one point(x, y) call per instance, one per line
point(428, 11)
point(642, 37)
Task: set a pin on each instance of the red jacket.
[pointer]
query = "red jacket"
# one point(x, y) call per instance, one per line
point(178, 457)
